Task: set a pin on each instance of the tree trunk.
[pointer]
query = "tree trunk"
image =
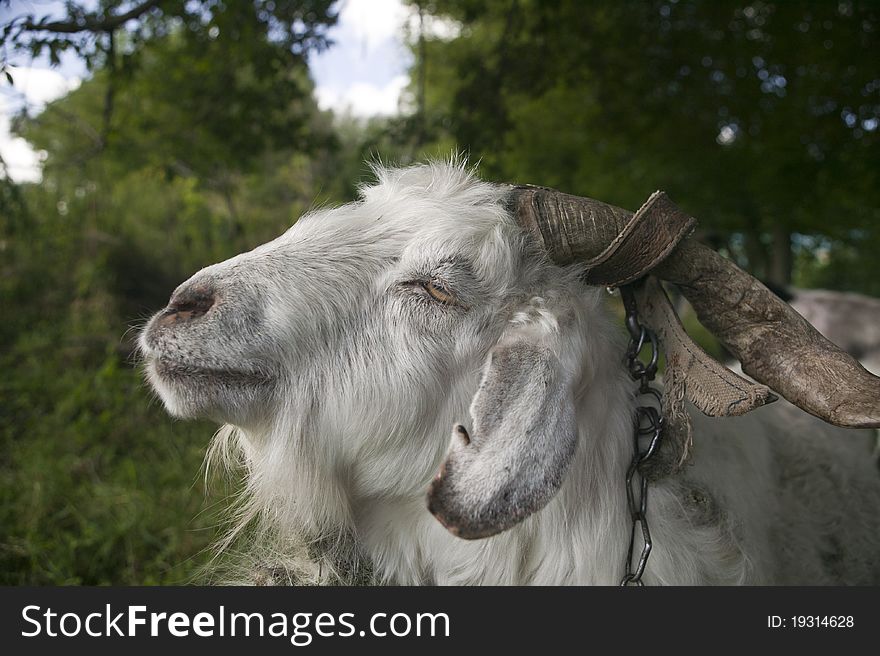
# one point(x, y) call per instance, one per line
point(755, 253)
point(421, 109)
point(779, 271)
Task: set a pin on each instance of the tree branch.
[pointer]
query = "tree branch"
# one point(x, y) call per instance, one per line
point(92, 23)
point(111, 87)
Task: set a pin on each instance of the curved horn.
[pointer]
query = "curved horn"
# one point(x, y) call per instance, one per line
point(774, 343)
point(568, 227)
point(616, 246)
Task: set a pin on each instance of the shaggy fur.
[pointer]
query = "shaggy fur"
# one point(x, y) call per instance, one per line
point(340, 378)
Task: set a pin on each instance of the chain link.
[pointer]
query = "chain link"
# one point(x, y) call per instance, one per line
point(648, 431)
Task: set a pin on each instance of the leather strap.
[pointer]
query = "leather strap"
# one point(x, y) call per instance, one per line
point(645, 241)
point(690, 374)
point(574, 229)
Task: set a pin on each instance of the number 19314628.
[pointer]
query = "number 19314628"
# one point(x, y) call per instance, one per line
point(810, 622)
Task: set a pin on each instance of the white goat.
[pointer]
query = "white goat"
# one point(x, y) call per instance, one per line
point(852, 321)
point(341, 353)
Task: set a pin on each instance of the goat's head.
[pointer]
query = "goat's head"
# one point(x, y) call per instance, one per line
point(364, 329)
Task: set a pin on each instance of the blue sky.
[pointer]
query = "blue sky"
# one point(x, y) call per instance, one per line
point(363, 73)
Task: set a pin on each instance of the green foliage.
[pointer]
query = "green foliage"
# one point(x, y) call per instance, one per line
point(760, 118)
point(840, 265)
point(91, 30)
point(211, 144)
point(95, 487)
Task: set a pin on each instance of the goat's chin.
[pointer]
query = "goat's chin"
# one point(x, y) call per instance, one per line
point(222, 396)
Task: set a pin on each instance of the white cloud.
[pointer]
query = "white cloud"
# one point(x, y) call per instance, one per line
point(374, 21)
point(364, 99)
point(38, 86)
point(22, 162)
point(32, 89)
point(365, 71)
point(371, 22)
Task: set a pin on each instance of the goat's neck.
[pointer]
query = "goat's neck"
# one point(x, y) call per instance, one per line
point(579, 538)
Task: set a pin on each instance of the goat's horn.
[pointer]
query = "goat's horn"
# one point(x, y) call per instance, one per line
point(774, 343)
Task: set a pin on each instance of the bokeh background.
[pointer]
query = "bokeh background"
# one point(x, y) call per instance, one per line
point(141, 140)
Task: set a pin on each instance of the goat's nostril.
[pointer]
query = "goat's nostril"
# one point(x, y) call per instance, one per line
point(188, 304)
point(196, 303)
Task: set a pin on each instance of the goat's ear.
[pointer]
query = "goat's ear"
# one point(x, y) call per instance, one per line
point(524, 435)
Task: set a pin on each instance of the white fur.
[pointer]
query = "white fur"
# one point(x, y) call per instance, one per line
point(365, 375)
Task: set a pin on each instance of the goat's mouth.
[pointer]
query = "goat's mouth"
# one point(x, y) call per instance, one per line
point(191, 390)
point(171, 370)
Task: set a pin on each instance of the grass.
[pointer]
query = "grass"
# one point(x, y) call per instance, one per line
point(97, 484)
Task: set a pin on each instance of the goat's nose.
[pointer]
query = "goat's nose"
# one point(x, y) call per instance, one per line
point(188, 304)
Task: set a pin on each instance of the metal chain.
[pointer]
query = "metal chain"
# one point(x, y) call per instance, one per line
point(648, 430)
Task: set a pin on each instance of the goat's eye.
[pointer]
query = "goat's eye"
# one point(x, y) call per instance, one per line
point(438, 293)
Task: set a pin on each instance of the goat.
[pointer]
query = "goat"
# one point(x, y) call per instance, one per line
point(339, 354)
point(852, 321)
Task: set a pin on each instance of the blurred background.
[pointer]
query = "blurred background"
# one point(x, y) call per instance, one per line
point(141, 140)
